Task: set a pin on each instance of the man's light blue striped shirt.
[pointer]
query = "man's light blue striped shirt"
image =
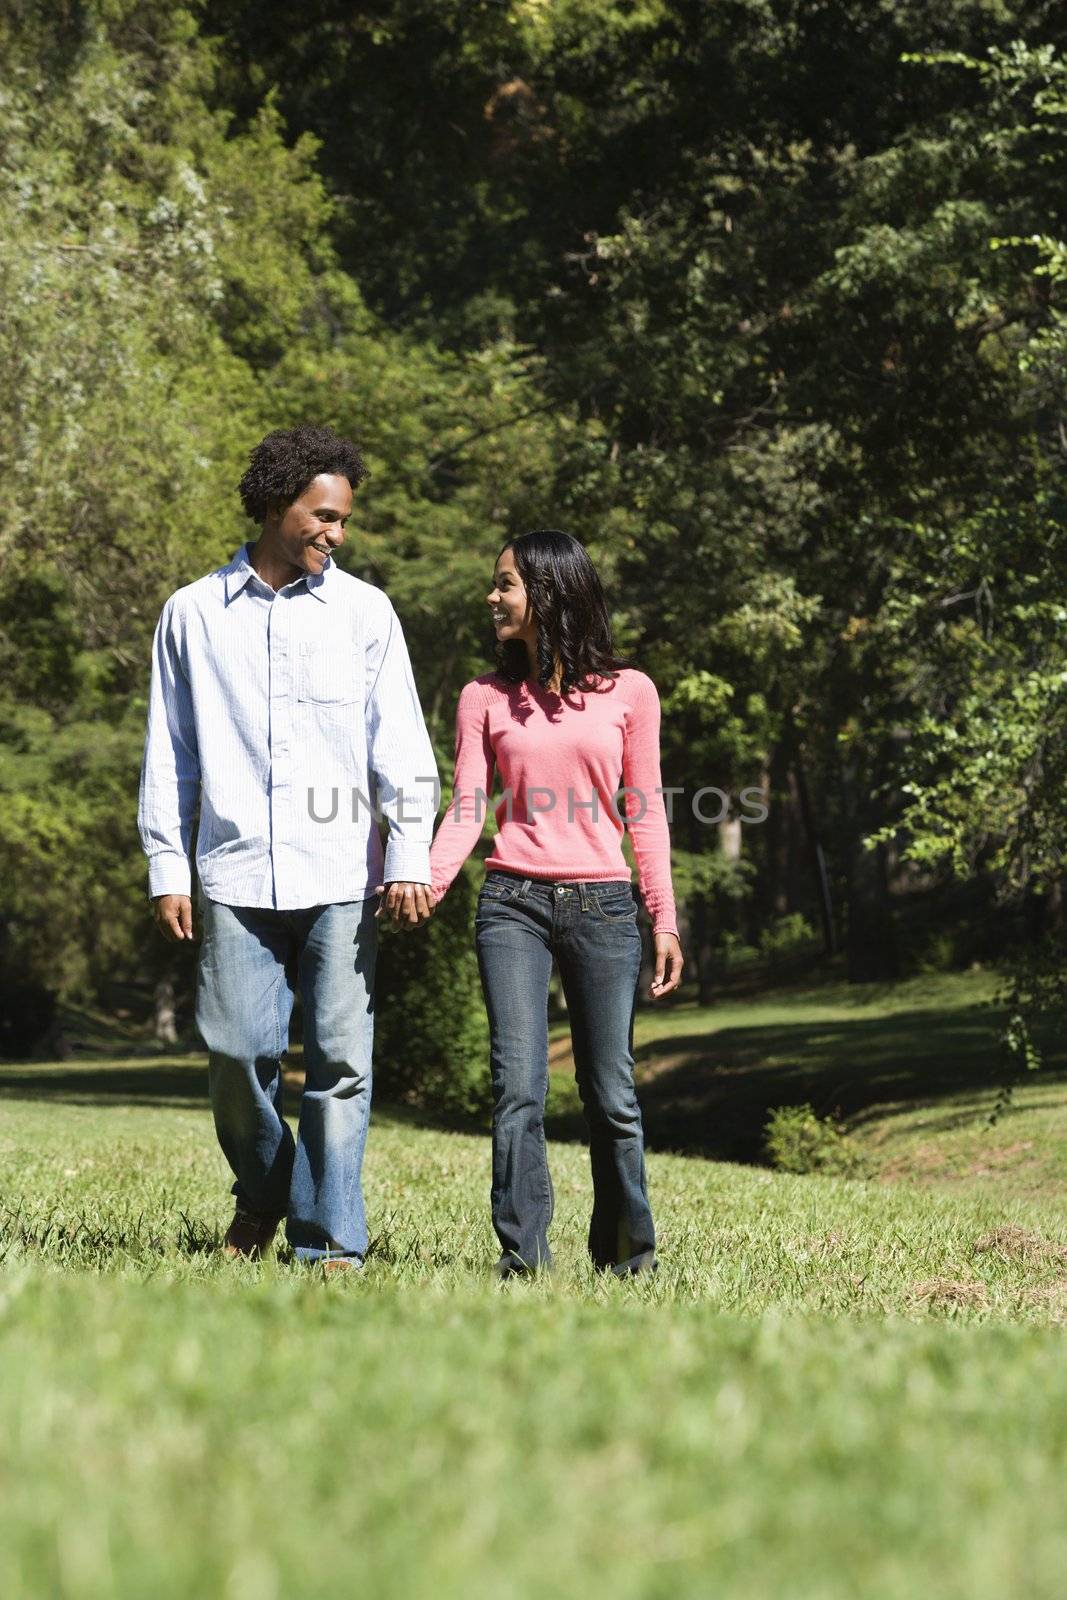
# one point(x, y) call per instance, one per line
point(292, 720)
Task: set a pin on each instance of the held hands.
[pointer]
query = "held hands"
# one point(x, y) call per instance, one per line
point(669, 965)
point(406, 905)
point(174, 916)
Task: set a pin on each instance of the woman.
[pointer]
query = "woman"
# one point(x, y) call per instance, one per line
point(563, 721)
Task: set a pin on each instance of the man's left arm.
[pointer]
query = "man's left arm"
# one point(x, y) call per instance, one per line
point(402, 761)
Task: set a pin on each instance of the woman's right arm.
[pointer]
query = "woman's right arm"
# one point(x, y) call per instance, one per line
point(461, 826)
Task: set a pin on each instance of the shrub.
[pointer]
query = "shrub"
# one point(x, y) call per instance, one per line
point(732, 954)
point(786, 936)
point(938, 954)
point(796, 1140)
point(431, 1037)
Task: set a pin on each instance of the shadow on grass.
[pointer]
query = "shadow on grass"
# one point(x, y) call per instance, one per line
point(710, 1094)
point(706, 1093)
point(178, 1085)
point(171, 1084)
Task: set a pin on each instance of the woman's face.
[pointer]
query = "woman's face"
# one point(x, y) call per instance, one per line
point(513, 617)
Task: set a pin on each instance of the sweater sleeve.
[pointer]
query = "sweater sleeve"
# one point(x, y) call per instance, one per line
point(461, 826)
point(646, 819)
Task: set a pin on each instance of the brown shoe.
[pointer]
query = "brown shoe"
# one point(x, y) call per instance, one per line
point(337, 1266)
point(249, 1234)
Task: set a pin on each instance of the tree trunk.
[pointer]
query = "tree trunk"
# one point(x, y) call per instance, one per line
point(166, 1031)
point(871, 941)
point(700, 948)
point(775, 782)
point(817, 855)
point(871, 946)
point(730, 838)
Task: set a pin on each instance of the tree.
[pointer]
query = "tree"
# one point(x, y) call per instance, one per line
point(171, 292)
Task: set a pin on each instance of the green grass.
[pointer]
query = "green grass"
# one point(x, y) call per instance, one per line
point(830, 1390)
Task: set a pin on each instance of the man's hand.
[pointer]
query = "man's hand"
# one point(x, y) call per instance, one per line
point(407, 905)
point(174, 916)
point(669, 965)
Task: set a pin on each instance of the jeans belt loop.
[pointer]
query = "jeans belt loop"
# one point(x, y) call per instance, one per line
point(583, 896)
point(524, 891)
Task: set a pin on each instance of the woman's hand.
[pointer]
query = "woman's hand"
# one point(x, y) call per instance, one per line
point(669, 965)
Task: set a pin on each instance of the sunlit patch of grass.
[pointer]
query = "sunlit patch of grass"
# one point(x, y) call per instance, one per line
point(832, 1389)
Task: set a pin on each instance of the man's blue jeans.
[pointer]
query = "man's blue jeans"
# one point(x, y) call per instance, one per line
point(591, 931)
point(251, 962)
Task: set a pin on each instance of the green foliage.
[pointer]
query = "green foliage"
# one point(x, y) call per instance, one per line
point(799, 1141)
point(1033, 995)
point(171, 291)
point(938, 953)
point(732, 954)
point(787, 936)
point(986, 763)
point(75, 914)
point(764, 301)
point(712, 877)
point(431, 1036)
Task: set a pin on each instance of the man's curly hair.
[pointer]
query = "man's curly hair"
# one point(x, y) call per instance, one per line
point(285, 462)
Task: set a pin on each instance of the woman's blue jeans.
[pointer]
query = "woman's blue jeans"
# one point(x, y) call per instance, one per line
point(251, 962)
point(590, 929)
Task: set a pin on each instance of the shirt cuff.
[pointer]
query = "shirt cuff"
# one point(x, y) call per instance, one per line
point(406, 862)
point(169, 874)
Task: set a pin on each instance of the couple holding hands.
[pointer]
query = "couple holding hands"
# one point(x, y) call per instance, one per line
point(280, 680)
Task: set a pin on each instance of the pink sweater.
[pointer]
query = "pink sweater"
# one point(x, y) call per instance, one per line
point(561, 762)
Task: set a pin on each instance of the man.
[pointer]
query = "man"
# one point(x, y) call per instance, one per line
point(282, 703)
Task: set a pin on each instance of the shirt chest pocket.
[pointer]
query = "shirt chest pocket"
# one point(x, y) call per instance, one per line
point(327, 675)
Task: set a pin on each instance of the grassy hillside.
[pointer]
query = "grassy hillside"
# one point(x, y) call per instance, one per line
point(913, 1072)
point(832, 1389)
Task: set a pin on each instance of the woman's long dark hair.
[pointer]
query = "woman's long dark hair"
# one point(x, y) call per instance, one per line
point(570, 610)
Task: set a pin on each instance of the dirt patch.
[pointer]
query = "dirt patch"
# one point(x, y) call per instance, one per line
point(949, 1294)
point(687, 1067)
point(932, 1164)
point(560, 1058)
point(923, 1164)
point(993, 1162)
point(1019, 1244)
point(1052, 1299)
point(826, 1245)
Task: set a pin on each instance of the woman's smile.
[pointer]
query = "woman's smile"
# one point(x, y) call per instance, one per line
point(508, 602)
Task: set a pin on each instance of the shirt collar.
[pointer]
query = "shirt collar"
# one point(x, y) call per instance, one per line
point(240, 571)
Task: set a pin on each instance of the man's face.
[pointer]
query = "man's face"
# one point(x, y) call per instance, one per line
point(307, 532)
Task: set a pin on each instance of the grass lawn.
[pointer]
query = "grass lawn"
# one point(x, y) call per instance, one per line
point(831, 1389)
